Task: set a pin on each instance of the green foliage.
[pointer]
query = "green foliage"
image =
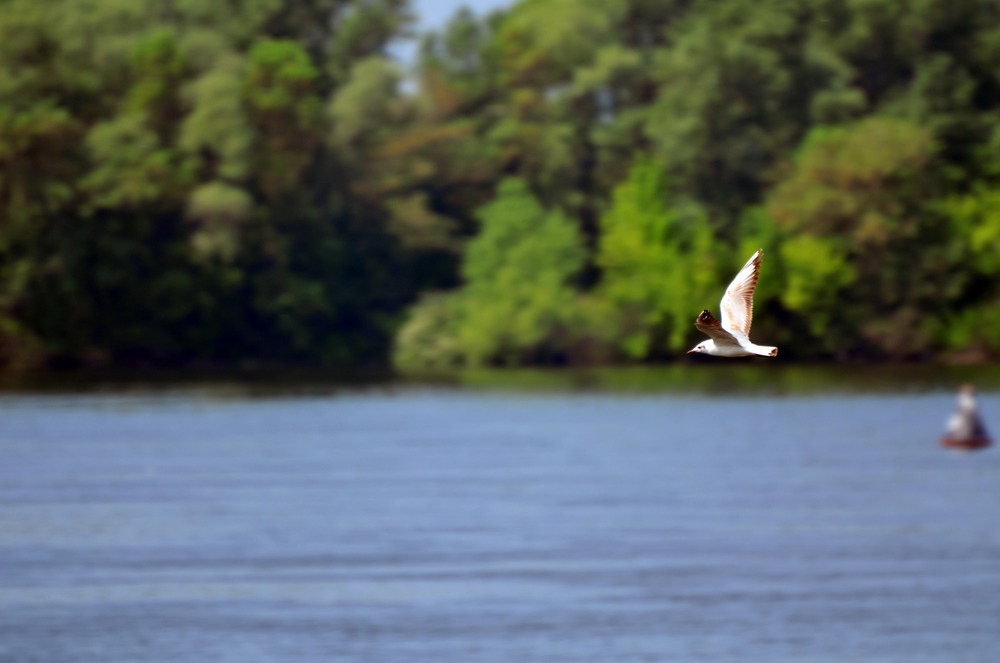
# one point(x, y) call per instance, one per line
point(518, 272)
point(165, 191)
point(733, 90)
point(360, 111)
point(192, 181)
point(658, 262)
point(856, 180)
point(284, 111)
point(518, 301)
point(976, 221)
point(845, 139)
point(973, 329)
point(216, 135)
point(131, 168)
point(857, 212)
point(542, 38)
point(219, 209)
point(818, 275)
point(430, 337)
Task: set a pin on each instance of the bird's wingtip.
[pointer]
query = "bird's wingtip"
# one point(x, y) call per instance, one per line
point(705, 318)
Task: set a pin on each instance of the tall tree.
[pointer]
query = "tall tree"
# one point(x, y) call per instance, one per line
point(659, 263)
point(168, 192)
point(518, 301)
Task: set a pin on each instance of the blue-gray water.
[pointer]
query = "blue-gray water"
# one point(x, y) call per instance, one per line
point(800, 522)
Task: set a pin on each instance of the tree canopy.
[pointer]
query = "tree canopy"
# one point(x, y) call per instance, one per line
point(187, 183)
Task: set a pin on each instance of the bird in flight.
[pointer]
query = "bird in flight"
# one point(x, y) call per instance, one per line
point(731, 337)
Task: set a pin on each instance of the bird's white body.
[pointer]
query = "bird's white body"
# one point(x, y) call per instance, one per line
point(748, 349)
point(731, 336)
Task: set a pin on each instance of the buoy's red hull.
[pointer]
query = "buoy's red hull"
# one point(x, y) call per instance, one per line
point(970, 444)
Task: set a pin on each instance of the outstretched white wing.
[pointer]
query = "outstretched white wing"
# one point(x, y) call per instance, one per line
point(736, 307)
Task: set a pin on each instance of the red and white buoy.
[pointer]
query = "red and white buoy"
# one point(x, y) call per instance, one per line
point(965, 429)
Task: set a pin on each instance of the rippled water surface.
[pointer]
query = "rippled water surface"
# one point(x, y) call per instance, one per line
point(708, 515)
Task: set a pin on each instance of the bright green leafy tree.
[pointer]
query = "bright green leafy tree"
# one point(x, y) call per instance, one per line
point(659, 264)
point(518, 302)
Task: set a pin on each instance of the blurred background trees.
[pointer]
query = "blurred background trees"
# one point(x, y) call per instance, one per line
point(173, 189)
point(568, 181)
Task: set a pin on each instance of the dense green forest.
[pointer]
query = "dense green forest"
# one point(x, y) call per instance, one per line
point(185, 182)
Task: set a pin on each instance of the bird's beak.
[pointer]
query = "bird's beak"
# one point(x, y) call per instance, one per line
point(690, 352)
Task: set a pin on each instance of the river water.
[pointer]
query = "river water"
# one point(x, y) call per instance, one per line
point(692, 514)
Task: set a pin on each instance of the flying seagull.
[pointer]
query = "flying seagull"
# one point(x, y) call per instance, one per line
point(731, 337)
